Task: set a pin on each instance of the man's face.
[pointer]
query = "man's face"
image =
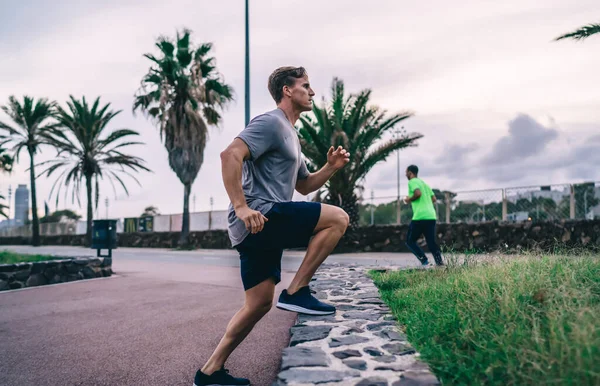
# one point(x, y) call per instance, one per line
point(302, 94)
point(408, 174)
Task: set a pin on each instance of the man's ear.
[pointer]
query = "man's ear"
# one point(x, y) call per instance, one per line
point(287, 91)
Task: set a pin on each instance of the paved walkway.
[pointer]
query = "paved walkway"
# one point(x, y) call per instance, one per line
point(153, 323)
point(360, 345)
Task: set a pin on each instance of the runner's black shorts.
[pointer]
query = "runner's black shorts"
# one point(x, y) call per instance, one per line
point(290, 225)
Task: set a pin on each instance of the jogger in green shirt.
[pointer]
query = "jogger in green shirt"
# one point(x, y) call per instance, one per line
point(424, 218)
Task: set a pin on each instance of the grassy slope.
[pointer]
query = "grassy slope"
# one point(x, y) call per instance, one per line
point(520, 321)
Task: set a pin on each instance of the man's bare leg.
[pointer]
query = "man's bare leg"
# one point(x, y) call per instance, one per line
point(330, 228)
point(259, 300)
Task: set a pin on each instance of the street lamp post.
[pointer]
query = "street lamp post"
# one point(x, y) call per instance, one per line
point(483, 206)
point(210, 213)
point(372, 207)
point(398, 209)
point(585, 206)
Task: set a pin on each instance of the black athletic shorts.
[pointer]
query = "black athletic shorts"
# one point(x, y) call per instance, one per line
point(290, 225)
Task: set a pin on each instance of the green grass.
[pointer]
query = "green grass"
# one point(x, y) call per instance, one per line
point(8, 257)
point(518, 321)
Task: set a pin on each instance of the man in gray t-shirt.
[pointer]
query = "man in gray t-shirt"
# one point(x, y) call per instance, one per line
point(272, 178)
point(261, 169)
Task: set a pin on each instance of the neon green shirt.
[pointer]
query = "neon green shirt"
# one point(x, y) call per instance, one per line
point(423, 207)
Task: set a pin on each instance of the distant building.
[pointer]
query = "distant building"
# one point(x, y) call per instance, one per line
point(555, 195)
point(21, 205)
point(517, 216)
point(593, 213)
point(7, 224)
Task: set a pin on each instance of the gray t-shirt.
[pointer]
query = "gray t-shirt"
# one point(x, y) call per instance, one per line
point(275, 164)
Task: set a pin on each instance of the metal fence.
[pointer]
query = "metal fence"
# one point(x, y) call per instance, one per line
point(534, 203)
point(199, 221)
point(516, 204)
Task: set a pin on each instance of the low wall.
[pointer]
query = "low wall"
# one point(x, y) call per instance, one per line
point(14, 276)
point(216, 239)
point(482, 237)
point(490, 236)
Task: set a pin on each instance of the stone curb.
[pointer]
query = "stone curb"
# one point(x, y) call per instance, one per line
point(359, 345)
point(33, 274)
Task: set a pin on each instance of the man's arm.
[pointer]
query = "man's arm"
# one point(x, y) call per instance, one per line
point(232, 160)
point(315, 180)
point(416, 195)
point(433, 199)
point(336, 159)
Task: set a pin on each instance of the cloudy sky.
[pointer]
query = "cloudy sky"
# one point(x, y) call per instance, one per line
point(498, 102)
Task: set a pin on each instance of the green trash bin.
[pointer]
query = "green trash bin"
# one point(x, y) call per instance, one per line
point(104, 236)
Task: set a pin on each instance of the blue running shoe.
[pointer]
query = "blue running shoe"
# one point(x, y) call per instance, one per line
point(304, 303)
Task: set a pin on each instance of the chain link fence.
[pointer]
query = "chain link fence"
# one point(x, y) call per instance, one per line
point(534, 203)
point(199, 221)
point(539, 203)
point(516, 204)
point(473, 206)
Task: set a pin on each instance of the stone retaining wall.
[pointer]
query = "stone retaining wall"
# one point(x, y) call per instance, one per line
point(14, 276)
point(483, 237)
point(217, 239)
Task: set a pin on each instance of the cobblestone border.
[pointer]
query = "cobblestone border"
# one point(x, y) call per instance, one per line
point(359, 345)
point(21, 275)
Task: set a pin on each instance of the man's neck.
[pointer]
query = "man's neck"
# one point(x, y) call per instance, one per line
point(290, 112)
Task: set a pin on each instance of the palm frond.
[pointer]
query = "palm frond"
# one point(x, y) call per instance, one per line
point(310, 135)
point(115, 136)
point(581, 33)
point(184, 56)
point(116, 177)
point(202, 51)
point(165, 46)
point(3, 208)
point(381, 152)
point(11, 131)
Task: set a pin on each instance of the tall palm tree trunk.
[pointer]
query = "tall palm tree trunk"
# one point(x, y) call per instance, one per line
point(185, 226)
point(35, 223)
point(90, 210)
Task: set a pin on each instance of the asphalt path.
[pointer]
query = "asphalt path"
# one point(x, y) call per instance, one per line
point(153, 323)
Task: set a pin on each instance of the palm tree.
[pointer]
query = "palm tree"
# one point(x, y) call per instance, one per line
point(183, 93)
point(30, 125)
point(350, 122)
point(582, 33)
point(150, 211)
point(88, 151)
point(60, 216)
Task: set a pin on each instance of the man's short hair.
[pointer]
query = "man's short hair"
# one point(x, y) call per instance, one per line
point(413, 169)
point(284, 76)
